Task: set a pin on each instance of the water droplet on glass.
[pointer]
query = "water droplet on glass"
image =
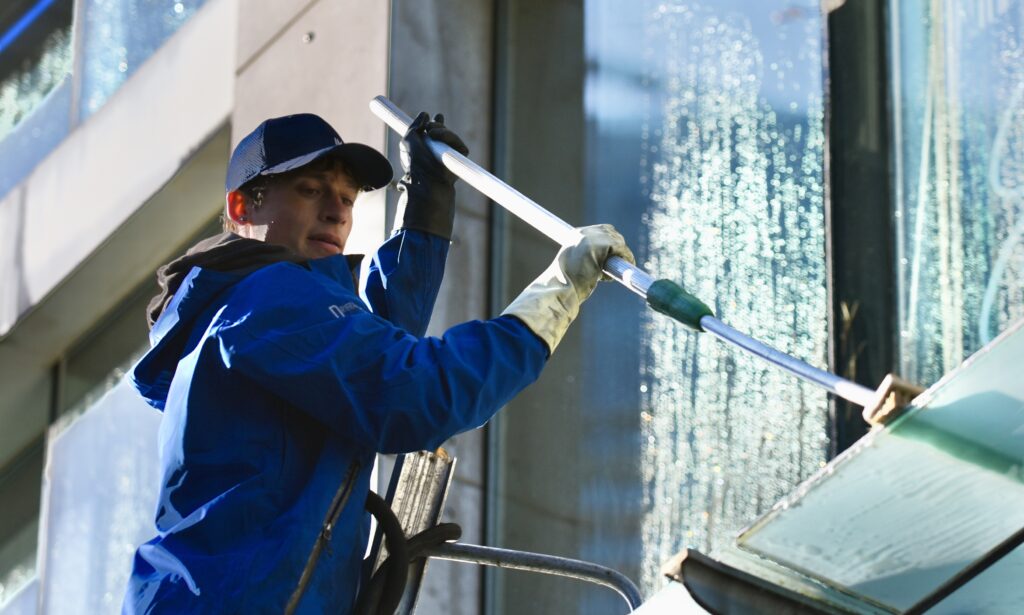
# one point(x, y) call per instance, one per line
point(736, 213)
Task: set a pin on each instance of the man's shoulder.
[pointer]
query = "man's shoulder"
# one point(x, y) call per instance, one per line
point(289, 287)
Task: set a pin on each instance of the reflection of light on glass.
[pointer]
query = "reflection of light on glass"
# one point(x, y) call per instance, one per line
point(916, 242)
point(119, 35)
point(23, 23)
point(736, 216)
point(24, 570)
point(24, 91)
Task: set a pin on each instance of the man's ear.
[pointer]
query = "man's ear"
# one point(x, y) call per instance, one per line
point(237, 207)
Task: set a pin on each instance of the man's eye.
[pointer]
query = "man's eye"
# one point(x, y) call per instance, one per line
point(309, 191)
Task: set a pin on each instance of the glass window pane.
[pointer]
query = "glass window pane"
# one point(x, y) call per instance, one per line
point(35, 57)
point(118, 36)
point(35, 137)
point(910, 506)
point(995, 591)
point(19, 490)
point(91, 367)
point(959, 123)
point(35, 86)
point(103, 474)
point(23, 602)
point(732, 148)
point(701, 130)
point(18, 564)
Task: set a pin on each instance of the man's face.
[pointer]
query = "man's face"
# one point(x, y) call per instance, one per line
point(307, 211)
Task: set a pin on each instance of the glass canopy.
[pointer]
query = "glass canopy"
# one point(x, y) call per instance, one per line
point(914, 504)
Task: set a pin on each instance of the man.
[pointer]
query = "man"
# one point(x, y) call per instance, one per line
point(279, 384)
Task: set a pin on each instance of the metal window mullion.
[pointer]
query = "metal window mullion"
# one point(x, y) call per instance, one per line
point(966, 575)
point(77, 62)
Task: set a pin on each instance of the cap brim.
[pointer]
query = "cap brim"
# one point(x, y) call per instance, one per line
point(372, 170)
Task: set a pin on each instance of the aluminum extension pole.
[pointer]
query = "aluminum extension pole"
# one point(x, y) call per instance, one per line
point(664, 296)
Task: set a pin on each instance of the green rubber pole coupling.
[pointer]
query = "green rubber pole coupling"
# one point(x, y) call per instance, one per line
point(669, 298)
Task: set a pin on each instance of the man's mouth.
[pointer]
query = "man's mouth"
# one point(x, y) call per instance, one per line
point(327, 241)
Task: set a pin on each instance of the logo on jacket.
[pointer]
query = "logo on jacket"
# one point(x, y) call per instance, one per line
point(339, 311)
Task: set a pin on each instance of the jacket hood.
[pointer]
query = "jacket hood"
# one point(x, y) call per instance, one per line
point(227, 252)
point(189, 287)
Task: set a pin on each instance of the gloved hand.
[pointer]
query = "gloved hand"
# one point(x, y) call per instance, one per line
point(552, 301)
point(428, 187)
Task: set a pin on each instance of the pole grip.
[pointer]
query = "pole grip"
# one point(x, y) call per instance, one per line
point(671, 299)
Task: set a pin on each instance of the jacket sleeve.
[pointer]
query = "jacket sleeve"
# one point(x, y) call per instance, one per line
point(404, 278)
point(367, 379)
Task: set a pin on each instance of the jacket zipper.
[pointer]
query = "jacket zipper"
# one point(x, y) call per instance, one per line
point(324, 537)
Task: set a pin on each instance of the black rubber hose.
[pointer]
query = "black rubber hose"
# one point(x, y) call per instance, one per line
point(432, 536)
point(384, 591)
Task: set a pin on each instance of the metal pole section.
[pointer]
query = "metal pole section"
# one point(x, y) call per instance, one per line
point(511, 199)
point(850, 391)
point(544, 564)
point(630, 276)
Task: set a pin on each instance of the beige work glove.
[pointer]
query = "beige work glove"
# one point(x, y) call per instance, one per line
point(552, 301)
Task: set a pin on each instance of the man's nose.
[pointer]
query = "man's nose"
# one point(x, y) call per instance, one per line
point(336, 209)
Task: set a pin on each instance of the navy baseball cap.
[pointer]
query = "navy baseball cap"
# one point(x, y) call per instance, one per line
point(284, 143)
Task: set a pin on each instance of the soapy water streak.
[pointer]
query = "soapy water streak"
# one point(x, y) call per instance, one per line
point(1001, 162)
point(736, 216)
point(963, 223)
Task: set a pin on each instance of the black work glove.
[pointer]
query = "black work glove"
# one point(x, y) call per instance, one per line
point(428, 188)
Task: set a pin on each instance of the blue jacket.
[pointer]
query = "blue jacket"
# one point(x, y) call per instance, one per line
point(278, 388)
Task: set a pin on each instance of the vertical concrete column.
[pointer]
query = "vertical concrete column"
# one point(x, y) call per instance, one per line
point(441, 62)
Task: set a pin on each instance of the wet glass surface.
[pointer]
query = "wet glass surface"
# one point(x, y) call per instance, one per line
point(909, 507)
point(958, 113)
point(730, 125)
point(699, 134)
